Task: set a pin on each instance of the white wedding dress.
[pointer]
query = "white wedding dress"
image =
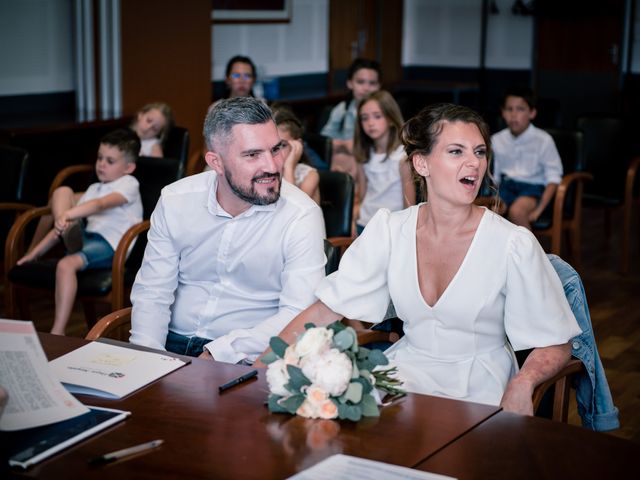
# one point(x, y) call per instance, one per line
point(505, 294)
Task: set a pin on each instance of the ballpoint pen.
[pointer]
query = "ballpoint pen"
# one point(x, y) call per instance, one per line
point(236, 381)
point(125, 452)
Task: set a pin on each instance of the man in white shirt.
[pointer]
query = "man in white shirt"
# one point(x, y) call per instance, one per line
point(233, 253)
point(527, 165)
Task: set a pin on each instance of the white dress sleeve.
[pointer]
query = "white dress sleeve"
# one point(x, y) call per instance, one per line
point(358, 289)
point(536, 312)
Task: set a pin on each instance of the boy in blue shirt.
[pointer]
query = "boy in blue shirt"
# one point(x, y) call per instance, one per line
point(527, 166)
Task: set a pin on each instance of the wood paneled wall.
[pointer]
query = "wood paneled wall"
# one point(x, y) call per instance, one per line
point(166, 56)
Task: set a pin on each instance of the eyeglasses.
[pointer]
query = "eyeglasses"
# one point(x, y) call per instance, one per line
point(246, 76)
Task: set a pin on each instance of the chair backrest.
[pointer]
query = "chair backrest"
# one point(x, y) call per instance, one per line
point(605, 155)
point(176, 145)
point(319, 144)
point(336, 200)
point(153, 174)
point(333, 257)
point(570, 145)
point(14, 162)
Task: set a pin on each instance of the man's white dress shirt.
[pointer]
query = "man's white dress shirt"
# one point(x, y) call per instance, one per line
point(236, 280)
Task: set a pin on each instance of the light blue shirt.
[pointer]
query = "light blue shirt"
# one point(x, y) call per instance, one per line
point(335, 127)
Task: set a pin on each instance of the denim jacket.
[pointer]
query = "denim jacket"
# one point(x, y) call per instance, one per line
point(595, 404)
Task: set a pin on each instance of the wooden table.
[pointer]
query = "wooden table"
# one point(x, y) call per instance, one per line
point(514, 446)
point(233, 435)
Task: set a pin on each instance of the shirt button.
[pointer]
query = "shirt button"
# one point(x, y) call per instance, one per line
point(576, 345)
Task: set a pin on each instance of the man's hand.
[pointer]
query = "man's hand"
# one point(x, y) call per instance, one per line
point(206, 355)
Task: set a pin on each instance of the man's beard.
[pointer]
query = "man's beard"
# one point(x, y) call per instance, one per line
point(250, 195)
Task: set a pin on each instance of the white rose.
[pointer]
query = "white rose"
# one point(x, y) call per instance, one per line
point(314, 341)
point(330, 371)
point(277, 378)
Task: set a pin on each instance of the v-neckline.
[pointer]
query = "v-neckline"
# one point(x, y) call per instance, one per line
point(462, 264)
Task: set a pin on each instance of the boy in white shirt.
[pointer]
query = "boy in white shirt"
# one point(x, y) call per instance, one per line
point(527, 166)
point(111, 206)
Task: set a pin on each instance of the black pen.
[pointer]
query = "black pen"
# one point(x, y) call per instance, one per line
point(125, 452)
point(236, 381)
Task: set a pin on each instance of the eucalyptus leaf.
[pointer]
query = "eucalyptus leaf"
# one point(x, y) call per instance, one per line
point(369, 406)
point(269, 357)
point(343, 339)
point(350, 412)
point(378, 358)
point(274, 406)
point(354, 392)
point(297, 379)
point(363, 379)
point(309, 325)
point(278, 346)
point(336, 326)
point(292, 403)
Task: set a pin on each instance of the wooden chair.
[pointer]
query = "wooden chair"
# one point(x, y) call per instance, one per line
point(99, 285)
point(563, 216)
point(114, 325)
point(606, 157)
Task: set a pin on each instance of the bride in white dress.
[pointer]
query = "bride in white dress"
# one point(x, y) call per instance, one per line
point(469, 286)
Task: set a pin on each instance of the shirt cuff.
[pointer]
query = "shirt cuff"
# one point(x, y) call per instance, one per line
point(222, 350)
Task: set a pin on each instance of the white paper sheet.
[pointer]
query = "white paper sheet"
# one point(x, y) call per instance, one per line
point(346, 467)
point(111, 371)
point(36, 397)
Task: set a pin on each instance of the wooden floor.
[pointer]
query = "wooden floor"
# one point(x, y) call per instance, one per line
point(614, 302)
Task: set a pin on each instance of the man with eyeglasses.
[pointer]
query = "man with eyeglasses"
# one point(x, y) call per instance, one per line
point(234, 253)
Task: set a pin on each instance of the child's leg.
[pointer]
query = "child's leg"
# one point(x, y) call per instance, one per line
point(520, 210)
point(63, 199)
point(66, 288)
point(41, 248)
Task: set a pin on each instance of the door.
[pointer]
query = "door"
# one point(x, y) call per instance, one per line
point(364, 28)
point(578, 61)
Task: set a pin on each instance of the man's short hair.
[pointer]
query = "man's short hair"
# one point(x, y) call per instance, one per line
point(229, 112)
point(125, 140)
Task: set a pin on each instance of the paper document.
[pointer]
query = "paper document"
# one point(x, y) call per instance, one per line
point(111, 371)
point(36, 396)
point(346, 467)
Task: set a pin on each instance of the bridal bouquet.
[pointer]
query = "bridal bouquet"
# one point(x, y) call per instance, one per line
point(325, 374)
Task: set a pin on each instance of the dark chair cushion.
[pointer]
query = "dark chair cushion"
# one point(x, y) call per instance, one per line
point(336, 200)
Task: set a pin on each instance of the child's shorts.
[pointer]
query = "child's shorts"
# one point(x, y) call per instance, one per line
point(511, 189)
point(96, 251)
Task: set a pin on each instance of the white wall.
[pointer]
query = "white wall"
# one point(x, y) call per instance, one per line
point(300, 46)
point(446, 33)
point(36, 47)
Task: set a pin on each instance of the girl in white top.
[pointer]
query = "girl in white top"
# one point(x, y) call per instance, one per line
point(384, 177)
point(152, 124)
point(296, 169)
point(469, 286)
